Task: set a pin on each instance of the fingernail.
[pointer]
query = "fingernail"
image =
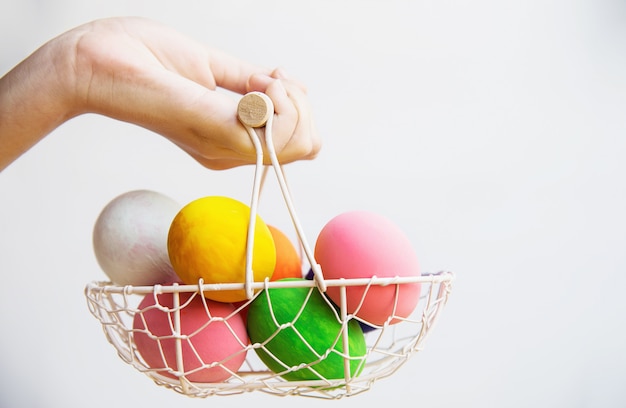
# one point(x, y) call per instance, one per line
point(280, 73)
point(259, 82)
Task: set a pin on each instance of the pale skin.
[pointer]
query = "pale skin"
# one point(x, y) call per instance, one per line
point(142, 72)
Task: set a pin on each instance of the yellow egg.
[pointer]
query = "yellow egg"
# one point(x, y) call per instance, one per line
point(207, 239)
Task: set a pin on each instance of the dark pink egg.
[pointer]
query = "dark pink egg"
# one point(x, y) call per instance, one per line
point(205, 341)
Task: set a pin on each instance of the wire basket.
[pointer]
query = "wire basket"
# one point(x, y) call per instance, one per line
point(388, 346)
point(181, 362)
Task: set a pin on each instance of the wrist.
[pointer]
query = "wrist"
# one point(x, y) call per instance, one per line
point(35, 98)
point(63, 84)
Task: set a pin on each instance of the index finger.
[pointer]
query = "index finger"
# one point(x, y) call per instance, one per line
point(232, 73)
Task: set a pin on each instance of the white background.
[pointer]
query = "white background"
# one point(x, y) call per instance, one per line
point(493, 132)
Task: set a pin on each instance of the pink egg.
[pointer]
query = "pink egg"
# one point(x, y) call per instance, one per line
point(207, 342)
point(361, 244)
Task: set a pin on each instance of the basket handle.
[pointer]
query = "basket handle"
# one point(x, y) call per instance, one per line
point(256, 110)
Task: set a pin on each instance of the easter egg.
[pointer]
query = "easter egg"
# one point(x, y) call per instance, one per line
point(311, 340)
point(205, 341)
point(207, 240)
point(365, 327)
point(288, 262)
point(362, 244)
point(130, 238)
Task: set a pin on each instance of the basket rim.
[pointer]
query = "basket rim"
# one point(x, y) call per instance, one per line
point(110, 287)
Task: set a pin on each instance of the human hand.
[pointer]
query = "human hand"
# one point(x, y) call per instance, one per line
point(148, 74)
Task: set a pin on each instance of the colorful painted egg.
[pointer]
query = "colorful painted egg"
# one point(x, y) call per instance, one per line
point(288, 262)
point(205, 341)
point(298, 335)
point(361, 244)
point(207, 240)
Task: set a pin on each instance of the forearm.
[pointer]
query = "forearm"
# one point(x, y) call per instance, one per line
point(34, 100)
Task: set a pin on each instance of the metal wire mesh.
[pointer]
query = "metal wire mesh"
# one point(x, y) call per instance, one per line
point(388, 346)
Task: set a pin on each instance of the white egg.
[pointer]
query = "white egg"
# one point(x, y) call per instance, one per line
point(130, 238)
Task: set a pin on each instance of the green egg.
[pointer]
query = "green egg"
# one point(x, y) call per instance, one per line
point(312, 339)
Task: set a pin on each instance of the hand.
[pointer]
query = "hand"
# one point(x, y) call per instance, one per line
point(142, 72)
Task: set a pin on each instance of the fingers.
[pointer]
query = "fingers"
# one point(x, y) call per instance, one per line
point(178, 53)
point(168, 86)
point(279, 73)
point(294, 135)
point(232, 73)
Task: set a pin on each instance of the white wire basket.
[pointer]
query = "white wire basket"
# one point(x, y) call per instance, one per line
point(386, 348)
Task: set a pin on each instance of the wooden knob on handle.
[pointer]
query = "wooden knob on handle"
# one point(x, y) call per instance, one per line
point(254, 109)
